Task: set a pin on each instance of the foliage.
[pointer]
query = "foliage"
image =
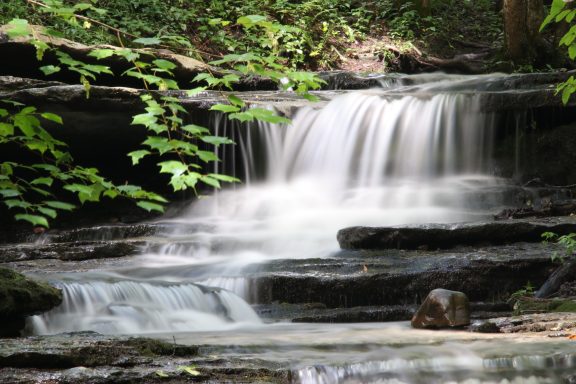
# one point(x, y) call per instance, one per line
point(179, 146)
point(562, 11)
point(526, 291)
point(32, 188)
point(567, 242)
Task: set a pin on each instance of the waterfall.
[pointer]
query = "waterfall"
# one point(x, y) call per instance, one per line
point(365, 158)
point(129, 307)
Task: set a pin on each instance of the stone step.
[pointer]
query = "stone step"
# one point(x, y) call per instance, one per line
point(448, 236)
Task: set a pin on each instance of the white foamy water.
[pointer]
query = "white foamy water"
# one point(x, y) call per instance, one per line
point(128, 307)
point(366, 158)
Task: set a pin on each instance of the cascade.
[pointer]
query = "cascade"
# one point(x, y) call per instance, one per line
point(375, 157)
point(364, 158)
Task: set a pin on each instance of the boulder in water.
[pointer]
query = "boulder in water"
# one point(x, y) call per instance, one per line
point(21, 297)
point(443, 308)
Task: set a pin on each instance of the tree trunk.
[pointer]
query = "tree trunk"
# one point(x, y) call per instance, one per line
point(522, 19)
point(424, 7)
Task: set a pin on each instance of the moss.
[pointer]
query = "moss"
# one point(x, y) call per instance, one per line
point(532, 305)
point(566, 306)
point(20, 296)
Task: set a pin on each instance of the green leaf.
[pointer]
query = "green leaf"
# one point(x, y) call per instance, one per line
point(234, 100)
point(225, 178)
point(9, 192)
point(18, 28)
point(102, 53)
point(207, 156)
point(158, 143)
point(149, 206)
point(250, 20)
point(572, 51)
point(15, 203)
point(216, 140)
point(33, 219)
point(48, 70)
point(128, 54)
point(43, 181)
point(52, 117)
point(148, 41)
point(241, 116)
point(195, 91)
point(145, 119)
point(194, 129)
point(136, 156)
point(6, 129)
point(210, 181)
point(190, 369)
point(174, 167)
point(267, 115)
point(48, 212)
point(60, 205)
point(42, 192)
point(47, 167)
point(224, 108)
point(164, 64)
point(26, 123)
point(85, 192)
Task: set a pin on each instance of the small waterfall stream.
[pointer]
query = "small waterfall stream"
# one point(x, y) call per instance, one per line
point(413, 155)
point(375, 157)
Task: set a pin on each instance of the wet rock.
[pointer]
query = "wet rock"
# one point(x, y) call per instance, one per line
point(484, 327)
point(358, 315)
point(88, 350)
point(21, 297)
point(555, 324)
point(87, 357)
point(75, 251)
point(443, 308)
point(401, 277)
point(552, 208)
point(448, 236)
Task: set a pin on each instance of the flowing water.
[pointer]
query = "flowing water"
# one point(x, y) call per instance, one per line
point(398, 155)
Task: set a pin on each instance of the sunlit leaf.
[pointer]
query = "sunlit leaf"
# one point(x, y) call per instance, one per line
point(224, 108)
point(174, 167)
point(43, 181)
point(52, 117)
point(164, 64)
point(136, 156)
point(18, 28)
point(60, 205)
point(149, 206)
point(33, 219)
point(48, 212)
point(148, 41)
point(49, 69)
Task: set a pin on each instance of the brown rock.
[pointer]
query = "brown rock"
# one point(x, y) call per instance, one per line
point(441, 309)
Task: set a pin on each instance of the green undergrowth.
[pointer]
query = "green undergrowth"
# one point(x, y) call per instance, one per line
point(310, 34)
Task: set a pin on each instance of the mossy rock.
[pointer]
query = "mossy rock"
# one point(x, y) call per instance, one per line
point(21, 296)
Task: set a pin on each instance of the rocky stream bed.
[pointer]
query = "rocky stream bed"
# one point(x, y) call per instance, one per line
point(350, 286)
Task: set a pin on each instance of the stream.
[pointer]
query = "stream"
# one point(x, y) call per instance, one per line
point(415, 152)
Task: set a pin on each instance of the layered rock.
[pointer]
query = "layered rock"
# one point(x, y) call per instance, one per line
point(21, 297)
point(449, 236)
